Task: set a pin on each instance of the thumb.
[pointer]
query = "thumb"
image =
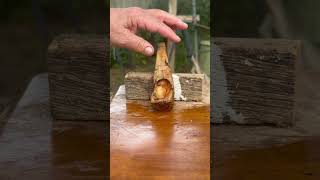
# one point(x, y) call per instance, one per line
point(138, 44)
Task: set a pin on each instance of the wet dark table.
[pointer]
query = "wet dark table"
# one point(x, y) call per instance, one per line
point(34, 146)
point(147, 144)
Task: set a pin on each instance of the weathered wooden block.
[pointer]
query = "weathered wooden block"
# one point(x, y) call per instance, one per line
point(78, 77)
point(188, 87)
point(253, 81)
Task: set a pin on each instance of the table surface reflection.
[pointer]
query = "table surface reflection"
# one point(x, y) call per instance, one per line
point(147, 144)
point(34, 146)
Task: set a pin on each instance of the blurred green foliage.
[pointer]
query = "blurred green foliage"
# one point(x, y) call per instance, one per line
point(203, 9)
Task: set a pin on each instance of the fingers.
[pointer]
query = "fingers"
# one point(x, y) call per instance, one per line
point(169, 19)
point(138, 44)
point(122, 31)
point(152, 24)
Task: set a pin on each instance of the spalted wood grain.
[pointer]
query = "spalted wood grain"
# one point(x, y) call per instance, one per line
point(78, 77)
point(254, 81)
point(162, 97)
point(139, 85)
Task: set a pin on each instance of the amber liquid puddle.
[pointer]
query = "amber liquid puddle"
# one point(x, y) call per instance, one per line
point(146, 143)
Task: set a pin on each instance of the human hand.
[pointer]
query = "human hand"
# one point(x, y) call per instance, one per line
point(125, 22)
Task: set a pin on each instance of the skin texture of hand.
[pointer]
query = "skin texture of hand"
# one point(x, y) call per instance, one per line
point(125, 22)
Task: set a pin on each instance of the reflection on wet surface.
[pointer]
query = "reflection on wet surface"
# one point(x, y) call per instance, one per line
point(79, 150)
point(39, 148)
point(147, 143)
point(295, 161)
point(33, 146)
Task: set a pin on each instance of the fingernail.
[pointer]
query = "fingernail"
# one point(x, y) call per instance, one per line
point(148, 51)
point(183, 24)
point(178, 38)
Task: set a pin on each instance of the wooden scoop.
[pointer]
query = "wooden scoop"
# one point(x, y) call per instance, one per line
point(162, 98)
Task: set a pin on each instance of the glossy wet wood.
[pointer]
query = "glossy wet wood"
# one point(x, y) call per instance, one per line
point(146, 144)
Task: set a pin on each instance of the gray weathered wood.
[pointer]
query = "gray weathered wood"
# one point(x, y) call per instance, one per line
point(78, 78)
point(139, 85)
point(254, 81)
